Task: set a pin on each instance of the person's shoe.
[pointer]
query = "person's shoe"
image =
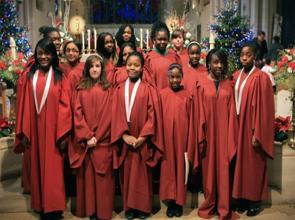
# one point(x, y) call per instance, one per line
point(170, 212)
point(253, 211)
point(93, 217)
point(178, 211)
point(129, 214)
point(141, 215)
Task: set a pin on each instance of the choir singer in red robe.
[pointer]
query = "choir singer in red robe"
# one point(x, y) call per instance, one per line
point(176, 104)
point(255, 110)
point(92, 155)
point(43, 123)
point(137, 130)
point(214, 97)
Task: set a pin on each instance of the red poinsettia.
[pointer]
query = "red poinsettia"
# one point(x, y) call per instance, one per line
point(282, 124)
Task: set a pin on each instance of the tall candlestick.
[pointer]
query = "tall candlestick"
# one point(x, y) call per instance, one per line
point(147, 39)
point(88, 39)
point(12, 47)
point(83, 42)
point(95, 38)
point(141, 38)
point(212, 41)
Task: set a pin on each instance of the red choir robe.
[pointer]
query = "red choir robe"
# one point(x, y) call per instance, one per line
point(178, 127)
point(25, 178)
point(158, 64)
point(95, 178)
point(183, 55)
point(75, 77)
point(191, 75)
point(218, 124)
point(120, 75)
point(135, 164)
point(43, 132)
point(66, 68)
point(256, 118)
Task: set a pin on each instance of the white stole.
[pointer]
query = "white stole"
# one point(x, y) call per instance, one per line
point(130, 101)
point(239, 91)
point(46, 90)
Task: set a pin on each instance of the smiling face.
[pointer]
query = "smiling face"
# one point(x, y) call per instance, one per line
point(95, 69)
point(72, 52)
point(126, 51)
point(194, 54)
point(56, 39)
point(161, 40)
point(217, 68)
point(44, 58)
point(175, 78)
point(134, 67)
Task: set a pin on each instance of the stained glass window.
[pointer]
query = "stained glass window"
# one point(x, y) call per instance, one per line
point(125, 11)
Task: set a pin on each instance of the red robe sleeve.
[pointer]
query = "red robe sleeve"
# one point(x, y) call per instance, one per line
point(64, 122)
point(263, 125)
point(22, 127)
point(232, 127)
point(197, 140)
point(154, 120)
point(82, 130)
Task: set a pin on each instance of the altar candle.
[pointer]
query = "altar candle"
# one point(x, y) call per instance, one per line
point(95, 38)
point(147, 39)
point(88, 39)
point(83, 42)
point(141, 38)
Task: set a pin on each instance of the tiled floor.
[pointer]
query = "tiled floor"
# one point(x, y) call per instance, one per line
point(15, 206)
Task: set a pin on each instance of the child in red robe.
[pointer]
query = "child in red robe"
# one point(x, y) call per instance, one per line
point(106, 47)
point(72, 51)
point(176, 104)
point(255, 110)
point(43, 122)
point(193, 70)
point(137, 130)
point(177, 41)
point(159, 59)
point(214, 97)
point(92, 156)
point(120, 70)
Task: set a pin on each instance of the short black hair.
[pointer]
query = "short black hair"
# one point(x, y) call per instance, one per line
point(157, 27)
point(276, 39)
point(46, 30)
point(261, 33)
point(139, 55)
point(252, 45)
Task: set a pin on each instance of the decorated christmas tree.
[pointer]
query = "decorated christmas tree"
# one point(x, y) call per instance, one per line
point(9, 27)
point(232, 30)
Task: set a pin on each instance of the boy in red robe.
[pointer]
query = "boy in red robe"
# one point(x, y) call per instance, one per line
point(92, 153)
point(176, 104)
point(43, 123)
point(255, 110)
point(159, 59)
point(137, 130)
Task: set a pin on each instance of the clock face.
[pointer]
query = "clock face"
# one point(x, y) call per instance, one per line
point(76, 25)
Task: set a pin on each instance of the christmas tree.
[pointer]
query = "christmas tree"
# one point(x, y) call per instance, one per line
point(9, 27)
point(232, 30)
